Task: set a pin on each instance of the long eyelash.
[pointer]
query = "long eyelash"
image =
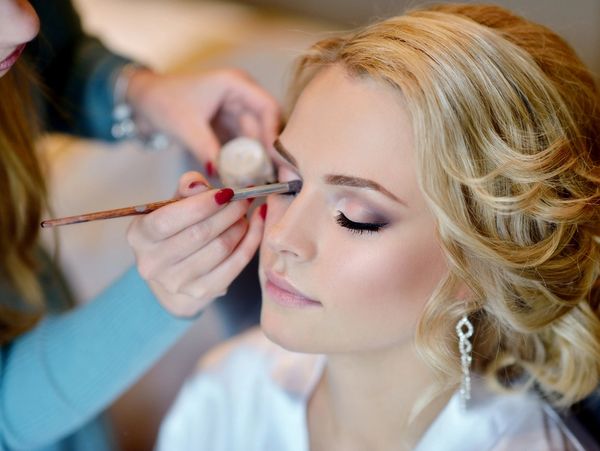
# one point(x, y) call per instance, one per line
point(358, 227)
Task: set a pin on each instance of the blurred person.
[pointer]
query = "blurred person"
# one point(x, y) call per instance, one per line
point(85, 88)
point(433, 286)
point(60, 366)
point(83, 81)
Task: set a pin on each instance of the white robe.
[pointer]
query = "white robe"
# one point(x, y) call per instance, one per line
point(251, 395)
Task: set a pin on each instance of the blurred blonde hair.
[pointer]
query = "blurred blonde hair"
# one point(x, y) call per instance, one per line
point(506, 120)
point(21, 203)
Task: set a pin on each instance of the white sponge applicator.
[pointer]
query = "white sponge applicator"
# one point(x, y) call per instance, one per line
point(243, 162)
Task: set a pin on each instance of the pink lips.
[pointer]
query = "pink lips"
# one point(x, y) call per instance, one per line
point(283, 293)
point(12, 58)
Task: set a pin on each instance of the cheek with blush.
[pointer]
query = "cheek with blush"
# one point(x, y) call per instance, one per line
point(390, 279)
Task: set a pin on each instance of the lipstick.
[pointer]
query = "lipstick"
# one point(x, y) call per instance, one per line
point(285, 294)
point(11, 59)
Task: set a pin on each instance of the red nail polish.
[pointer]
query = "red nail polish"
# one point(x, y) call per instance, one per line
point(196, 184)
point(263, 211)
point(223, 196)
point(210, 169)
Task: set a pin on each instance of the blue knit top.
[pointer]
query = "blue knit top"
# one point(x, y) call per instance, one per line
point(57, 378)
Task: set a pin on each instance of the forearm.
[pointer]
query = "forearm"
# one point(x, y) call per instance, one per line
point(72, 366)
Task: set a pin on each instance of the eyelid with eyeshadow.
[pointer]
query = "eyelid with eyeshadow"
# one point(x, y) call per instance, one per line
point(341, 219)
point(359, 227)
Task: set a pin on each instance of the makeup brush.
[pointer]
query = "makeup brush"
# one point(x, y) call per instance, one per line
point(293, 186)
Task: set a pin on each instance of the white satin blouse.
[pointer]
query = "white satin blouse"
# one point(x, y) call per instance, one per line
point(251, 395)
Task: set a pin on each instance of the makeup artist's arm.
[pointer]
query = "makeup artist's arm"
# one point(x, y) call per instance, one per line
point(71, 366)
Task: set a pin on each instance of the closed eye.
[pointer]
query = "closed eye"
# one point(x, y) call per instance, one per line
point(358, 227)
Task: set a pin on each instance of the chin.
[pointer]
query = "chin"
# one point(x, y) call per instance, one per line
point(288, 332)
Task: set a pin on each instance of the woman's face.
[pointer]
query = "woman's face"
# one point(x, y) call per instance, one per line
point(348, 263)
point(19, 24)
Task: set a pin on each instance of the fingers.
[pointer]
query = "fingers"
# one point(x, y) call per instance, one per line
point(250, 126)
point(187, 106)
point(247, 108)
point(191, 284)
point(270, 121)
point(205, 259)
point(201, 142)
point(258, 103)
point(230, 267)
point(176, 217)
point(199, 235)
point(190, 183)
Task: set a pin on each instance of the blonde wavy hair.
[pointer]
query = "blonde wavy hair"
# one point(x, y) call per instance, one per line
point(506, 120)
point(21, 202)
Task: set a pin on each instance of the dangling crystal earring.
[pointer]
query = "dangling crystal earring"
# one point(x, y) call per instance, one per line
point(464, 330)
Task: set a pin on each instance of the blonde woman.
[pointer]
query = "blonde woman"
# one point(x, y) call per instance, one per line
point(431, 287)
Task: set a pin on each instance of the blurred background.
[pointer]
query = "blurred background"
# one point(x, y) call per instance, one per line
point(261, 36)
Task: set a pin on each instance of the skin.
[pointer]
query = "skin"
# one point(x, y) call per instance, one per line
point(371, 287)
point(19, 24)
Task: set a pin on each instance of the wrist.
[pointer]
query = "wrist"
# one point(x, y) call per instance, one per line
point(129, 121)
point(177, 305)
point(140, 79)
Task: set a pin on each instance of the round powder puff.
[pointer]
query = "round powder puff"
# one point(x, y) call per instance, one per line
point(244, 162)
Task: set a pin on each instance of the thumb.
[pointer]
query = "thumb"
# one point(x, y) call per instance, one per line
point(202, 143)
point(191, 183)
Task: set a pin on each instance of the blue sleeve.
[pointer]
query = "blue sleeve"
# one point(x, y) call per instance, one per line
point(77, 73)
point(72, 366)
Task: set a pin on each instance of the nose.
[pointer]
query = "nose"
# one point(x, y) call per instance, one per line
point(291, 229)
point(19, 23)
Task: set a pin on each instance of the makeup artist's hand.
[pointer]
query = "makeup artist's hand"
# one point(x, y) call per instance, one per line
point(204, 108)
point(190, 251)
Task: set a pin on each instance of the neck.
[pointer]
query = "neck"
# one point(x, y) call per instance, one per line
point(375, 400)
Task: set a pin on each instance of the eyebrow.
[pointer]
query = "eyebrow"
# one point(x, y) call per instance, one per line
point(359, 182)
point(337, 179)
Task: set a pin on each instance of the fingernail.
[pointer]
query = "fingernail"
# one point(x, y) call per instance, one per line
point(223, 196)
point(210, 169)
point(263, 211)
point(196, 184)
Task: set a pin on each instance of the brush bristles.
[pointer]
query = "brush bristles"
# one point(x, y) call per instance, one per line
point(295, 186)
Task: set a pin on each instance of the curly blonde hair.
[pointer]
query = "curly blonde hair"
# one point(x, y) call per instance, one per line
point(506, 120)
